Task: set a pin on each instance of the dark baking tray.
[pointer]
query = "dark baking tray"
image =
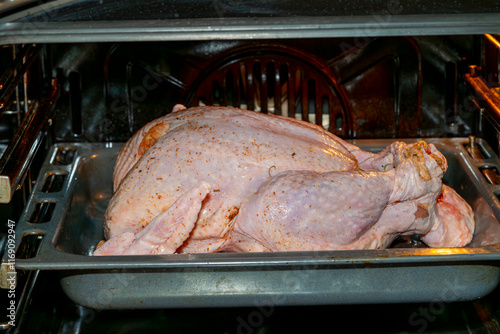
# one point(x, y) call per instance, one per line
point(74, 227)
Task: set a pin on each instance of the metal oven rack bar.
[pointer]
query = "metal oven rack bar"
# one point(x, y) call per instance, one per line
point(17, 158)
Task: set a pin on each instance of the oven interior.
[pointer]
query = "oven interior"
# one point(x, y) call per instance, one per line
point(387, 87)
point(102, 92)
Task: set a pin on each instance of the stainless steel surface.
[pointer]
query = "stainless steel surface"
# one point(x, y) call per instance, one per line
point(69, 21)
point(14, 74)
point(224, 279)
point(487, 96)
point(17, 158)
point(229, 29)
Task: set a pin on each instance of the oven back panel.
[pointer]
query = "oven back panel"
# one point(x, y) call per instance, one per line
point(384, 88)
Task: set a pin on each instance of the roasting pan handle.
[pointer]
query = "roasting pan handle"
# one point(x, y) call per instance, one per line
point(19, 154)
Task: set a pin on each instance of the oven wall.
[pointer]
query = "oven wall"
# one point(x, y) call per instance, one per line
point(390, 87)
point(382, 87)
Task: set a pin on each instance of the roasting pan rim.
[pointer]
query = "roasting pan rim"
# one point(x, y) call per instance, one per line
point(333, 258)
point(292, 278)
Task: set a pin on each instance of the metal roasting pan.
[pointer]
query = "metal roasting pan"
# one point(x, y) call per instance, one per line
point(71, 226)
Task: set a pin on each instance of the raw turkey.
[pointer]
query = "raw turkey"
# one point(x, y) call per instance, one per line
point(212, 179)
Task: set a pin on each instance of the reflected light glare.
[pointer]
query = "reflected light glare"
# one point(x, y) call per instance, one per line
point(445, 251)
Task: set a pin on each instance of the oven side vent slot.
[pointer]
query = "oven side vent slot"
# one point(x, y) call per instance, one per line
point(29, 245)
point(42, 212)
point(54, 182)
point(64, 156)
point(476, 149)
point(491, 175)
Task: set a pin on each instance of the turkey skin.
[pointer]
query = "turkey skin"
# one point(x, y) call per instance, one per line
point(210, 179)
